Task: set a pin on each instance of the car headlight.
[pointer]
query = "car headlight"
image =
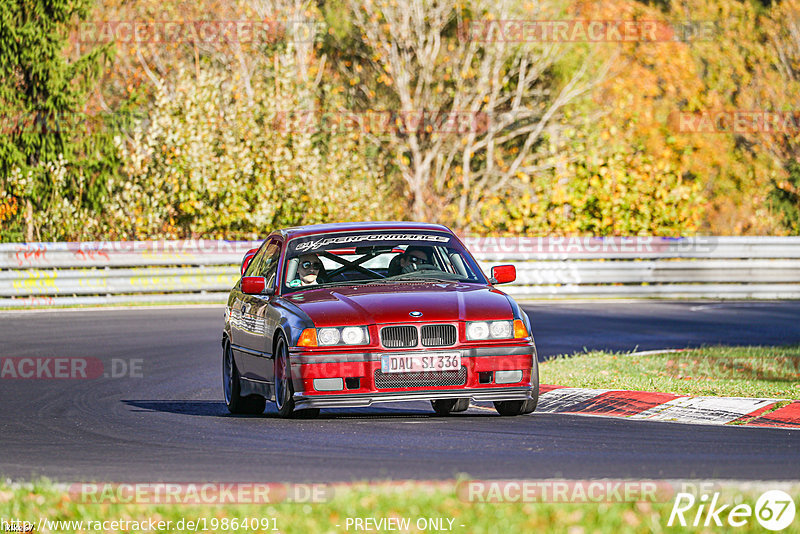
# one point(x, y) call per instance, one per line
point(500, 329)
point(328, 336)
point(342, 335)
point(477, 330)
point(354, 335)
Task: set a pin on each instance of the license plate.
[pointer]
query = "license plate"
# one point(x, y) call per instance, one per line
point(415, 363)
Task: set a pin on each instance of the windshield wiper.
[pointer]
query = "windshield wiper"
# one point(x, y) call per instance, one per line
point(346, 283)
point(407, 277)
point(420, 276)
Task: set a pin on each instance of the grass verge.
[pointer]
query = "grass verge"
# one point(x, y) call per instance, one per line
point(772, 372)
point(416, 502)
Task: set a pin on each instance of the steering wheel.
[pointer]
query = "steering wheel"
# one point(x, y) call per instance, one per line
point(415, 267)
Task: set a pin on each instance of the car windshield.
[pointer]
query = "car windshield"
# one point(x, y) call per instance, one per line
point(382, 257)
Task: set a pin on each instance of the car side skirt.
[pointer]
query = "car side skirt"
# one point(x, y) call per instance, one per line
point(256, 387)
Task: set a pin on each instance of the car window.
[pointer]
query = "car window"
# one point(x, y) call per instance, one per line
point(253, 267)
point(269, 266)
point(265, 261)
point(377, 257)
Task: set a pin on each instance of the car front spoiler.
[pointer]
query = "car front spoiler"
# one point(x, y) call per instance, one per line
point(367, 399)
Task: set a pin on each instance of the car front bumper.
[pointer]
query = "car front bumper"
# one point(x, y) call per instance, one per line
point(345, 400)
point(476, 362)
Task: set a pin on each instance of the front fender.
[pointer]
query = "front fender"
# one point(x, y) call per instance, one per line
point(292, 322)
point(226, 328)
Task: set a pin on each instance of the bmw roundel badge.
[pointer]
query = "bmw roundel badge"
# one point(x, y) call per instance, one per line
point(415, 314)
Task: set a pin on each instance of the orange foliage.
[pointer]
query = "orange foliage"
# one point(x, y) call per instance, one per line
point(657, 80)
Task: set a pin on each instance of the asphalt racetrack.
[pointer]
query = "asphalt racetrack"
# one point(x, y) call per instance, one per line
point(165, 419)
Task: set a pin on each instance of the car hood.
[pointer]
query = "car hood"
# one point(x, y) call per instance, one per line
point(380, 304)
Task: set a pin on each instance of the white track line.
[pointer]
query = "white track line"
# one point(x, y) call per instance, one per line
point(703, 410)
point(564, 397)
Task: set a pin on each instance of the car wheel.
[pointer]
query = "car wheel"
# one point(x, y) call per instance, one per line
point(252, 404)
point(448, 406)
point(517, 407)
point(284, 390)
point(534, 400)
point(522, 407)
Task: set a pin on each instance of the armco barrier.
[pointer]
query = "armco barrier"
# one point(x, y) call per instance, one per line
point(54, 274)
point(48, 274)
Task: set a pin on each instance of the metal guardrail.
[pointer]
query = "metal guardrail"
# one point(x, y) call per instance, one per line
point(123, 253)
point(55, 274)
point(52, 274)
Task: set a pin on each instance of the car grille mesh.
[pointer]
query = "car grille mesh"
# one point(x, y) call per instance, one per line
point(405, 337)
point(399, 337)
point(420, 379)
point(438, 335)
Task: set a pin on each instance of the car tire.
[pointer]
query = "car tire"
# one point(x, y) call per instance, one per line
point(522, 407)
point(306, 413)
point(450, 406)
point(284, 390)
point(516, 407)
point(231, 388)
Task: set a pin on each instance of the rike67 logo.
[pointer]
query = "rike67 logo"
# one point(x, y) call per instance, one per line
point(774, 510)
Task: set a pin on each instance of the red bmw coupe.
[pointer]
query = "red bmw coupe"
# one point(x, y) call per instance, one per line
point(351, 314)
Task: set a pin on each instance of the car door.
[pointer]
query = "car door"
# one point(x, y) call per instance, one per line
point(255, 335)
point(269, 313)
point(240, 322)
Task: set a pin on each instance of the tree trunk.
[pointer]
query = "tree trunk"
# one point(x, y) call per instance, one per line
point(28, 220)
point(419, 207)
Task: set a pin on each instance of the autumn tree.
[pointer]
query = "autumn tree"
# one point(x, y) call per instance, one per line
point(54, 160)
point(779, 91)
point(233, 146)
point(444, 61)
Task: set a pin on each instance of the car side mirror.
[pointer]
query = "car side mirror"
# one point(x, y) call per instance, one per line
point(256, 285)
point(503, 274)
point(248, 257)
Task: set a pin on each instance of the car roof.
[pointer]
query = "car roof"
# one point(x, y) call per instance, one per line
point(311, 229)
